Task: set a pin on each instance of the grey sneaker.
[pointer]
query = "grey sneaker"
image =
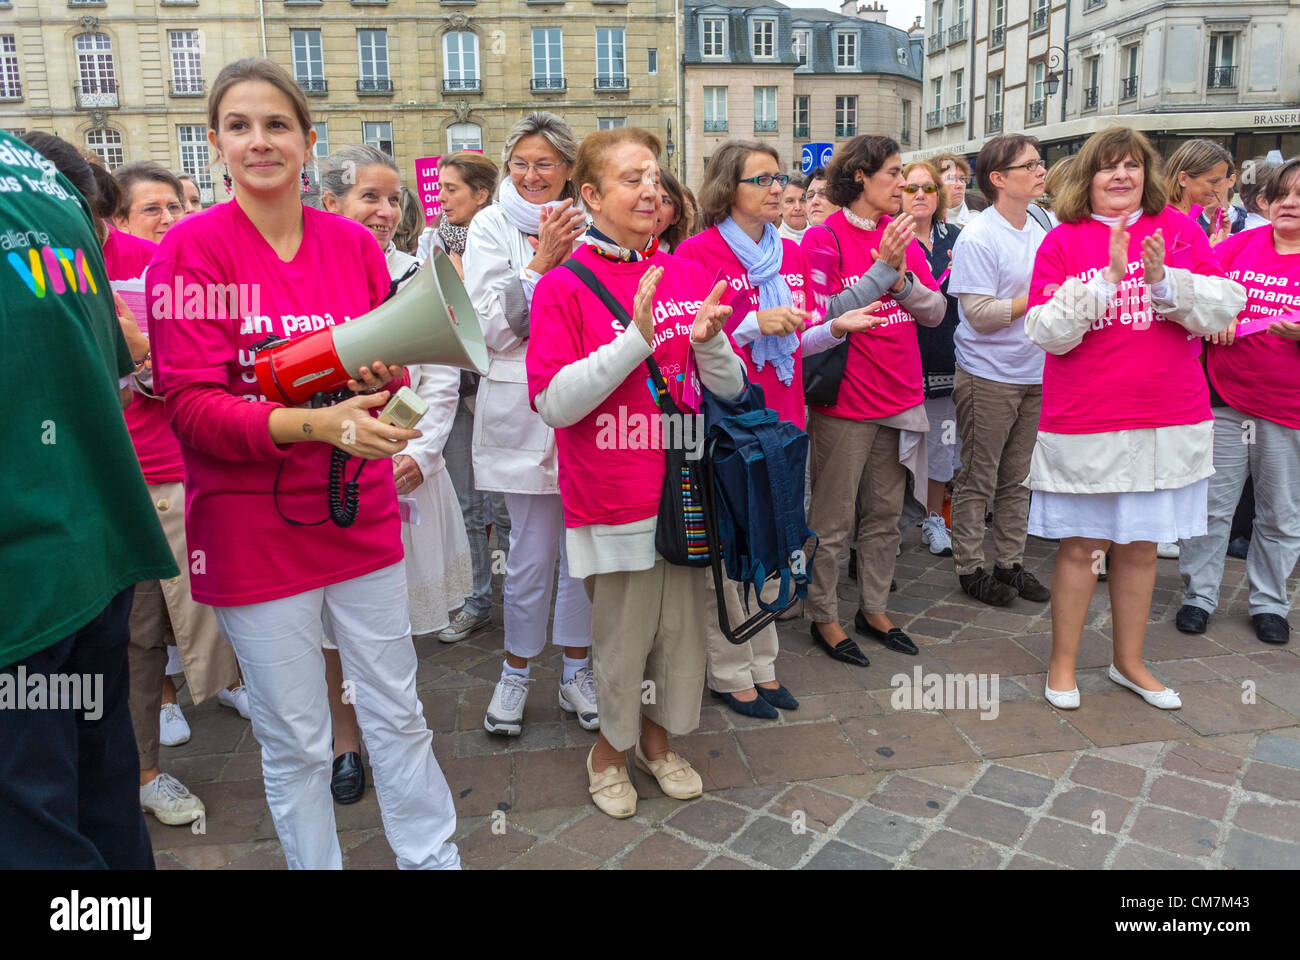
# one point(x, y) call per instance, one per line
point(505, 713)
point(579, 696)
point(463, 623)
point(170, 801)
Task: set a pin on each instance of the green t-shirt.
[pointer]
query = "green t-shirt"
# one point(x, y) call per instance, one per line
point(76, 524)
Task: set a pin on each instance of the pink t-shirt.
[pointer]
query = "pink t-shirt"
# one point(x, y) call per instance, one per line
point(1135, 369)
point(611, 463)
point(241, 549)
point(710, 251)
point(1260, 374)
point(883, 374)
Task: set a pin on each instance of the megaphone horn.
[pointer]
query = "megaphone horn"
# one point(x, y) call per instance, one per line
point(429, 320)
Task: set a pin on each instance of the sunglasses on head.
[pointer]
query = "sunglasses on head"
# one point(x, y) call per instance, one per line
point(924, 187)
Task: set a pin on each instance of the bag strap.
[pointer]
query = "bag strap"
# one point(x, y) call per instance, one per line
point(1040, 217)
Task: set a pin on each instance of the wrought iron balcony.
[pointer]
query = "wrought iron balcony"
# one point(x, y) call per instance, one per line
point(933, 119)
point(1037, 111)
point(1090, 98)
point(905, 135)
point(764, 126)
point(997, 37)
point(957, 33)
point(994, 123)
point(375, 86)
point(715, 126)
point(846, 129)
point(955, 113)
point(462, 84)
point(802, 131)
point(548, 84)
point(314, 86)
point(1039, 21)
point(1223, 78)
point(611, 82)
point(186, 88)
point(101, 94)
point(1128, 88)
point(935, 42)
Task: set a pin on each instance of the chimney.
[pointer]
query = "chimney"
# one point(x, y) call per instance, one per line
point(849, 8)
point(874, 11)
point(916, 27)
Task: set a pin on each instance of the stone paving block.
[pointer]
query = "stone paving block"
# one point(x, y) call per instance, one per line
point(542, 822)
point(1281, 691)
point(1280, 782)
point(913, 798)
point(193, 771)
point(1013, 786)
point(716, 758)
point(1068, 844)
point(806, 752)
point(1279, 750)
point(1111, 719)
point(480, 785)
point(1193, 761)
point(372, 854)
point(1019, 728)
point(818, 675)
point(856, 703)
point(1246, 851)
point(772, 842)
point(1082, 804)
point(856, 786)
point(1163, 641)
point(708, 820)
point(1279, 661)
point(1002, 656)
point(1175, 832)
point(1095, 649)
point(601, 836)
point(1109, 775)
point(880, 832)
point(1022, 862)
point(552, 856)
point(1275, 819)
point(991, 821)
point(1199, 799)
point(946, 850)
point(1234, 631)
point(485, 850)
point(1134, 856)
point(659, 851)
point(549, 778)
point(243, 766)
point(752, 798)
point(930, 627)
point(726, 863)
point(821, 810)
point(211, 856)
point(1051, 765)
point(1235, 666)
point(165, 861)
point(907, 739)
point(1175, 673)
point(840, 856)
point(236, 812)
point(955, 775)
point(1213, 708)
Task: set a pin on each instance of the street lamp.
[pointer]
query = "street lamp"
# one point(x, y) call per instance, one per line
point(669, 146)
point(1055, 60)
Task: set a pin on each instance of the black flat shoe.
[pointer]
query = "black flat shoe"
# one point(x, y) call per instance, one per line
point(348, 783)
point(853, 564)
point(780, 697)
point(1271, 628)
point(895, 639)
point(846, 651)
point(893, 586)
point(1191, 619)
point(1238, 547)
point(758, 707)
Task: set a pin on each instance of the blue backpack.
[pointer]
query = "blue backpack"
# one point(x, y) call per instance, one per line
point(754, 488)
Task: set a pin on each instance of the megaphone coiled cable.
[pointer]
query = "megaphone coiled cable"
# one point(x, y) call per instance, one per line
point(344, 496)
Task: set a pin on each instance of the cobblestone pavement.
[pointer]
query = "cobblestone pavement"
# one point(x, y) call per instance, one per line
point(847, 781)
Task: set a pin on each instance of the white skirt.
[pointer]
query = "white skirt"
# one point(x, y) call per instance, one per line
point(439, 570)
point(1161, 516)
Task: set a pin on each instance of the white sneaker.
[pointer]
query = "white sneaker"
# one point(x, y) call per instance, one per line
point(170, 801)
point(462, 625)
point(1167, 551)
point(579, 696)
point(935, 534)
point(172, 728)
point(174, 666)
point(236, 699)
point(505, 714)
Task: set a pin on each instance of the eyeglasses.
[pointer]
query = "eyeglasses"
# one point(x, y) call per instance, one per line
point(820, 192)
point(767, 179)
point(924, 187)
point(154, 211)
point(1029, 166)
point(543, 167)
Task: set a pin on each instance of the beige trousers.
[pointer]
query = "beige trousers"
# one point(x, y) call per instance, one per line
point(998, 423)
point(853, 462)
point(739, 666)
point(647, 649)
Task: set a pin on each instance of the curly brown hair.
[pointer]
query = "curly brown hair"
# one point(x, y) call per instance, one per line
point(865, 152)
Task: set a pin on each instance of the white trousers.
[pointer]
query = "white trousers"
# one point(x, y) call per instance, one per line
point(278, 644)
point(536, 540)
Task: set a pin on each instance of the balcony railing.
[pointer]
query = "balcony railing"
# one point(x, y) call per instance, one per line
point(997, 37)
point(715, 126)
point(548, 84)
point(905, 136)
point(1037, 110)
point(611, 82)
point(764, 126)
point(802, 131)
point(933, 119)
point(955, 113)
point(314, 86)
point(935, 42)
point(1128, 88)
point(1039, 21)
point(375, 86)
point(846, 129)
point(102, 94)
point(1093, 4)
point(1090, 98)
point(1223, 78)
point(186, 88)
point(461, 85)
point(957, 32)
point(994, 124)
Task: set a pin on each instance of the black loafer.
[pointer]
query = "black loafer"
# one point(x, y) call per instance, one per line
point(846, 651)
point(780, 697)
point(1271, 628)
point(758, 707)
point(1238, 547)
point(348, 783)
point(1191, 619)
point(895, 639)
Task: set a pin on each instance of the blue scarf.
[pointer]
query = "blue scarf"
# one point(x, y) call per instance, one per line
point(762, 262)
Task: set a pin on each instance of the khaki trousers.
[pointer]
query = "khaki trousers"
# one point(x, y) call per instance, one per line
point(162, 614)
point(739, 666)
point(853, 462)
point(998, 423)
point(647, 649)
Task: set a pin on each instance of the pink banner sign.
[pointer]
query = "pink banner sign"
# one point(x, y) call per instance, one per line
point(1261, 324)
point(426, 179)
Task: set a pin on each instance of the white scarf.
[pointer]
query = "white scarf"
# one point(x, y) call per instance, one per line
point(524, 215)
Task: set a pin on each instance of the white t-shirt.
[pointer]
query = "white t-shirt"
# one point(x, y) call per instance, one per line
point(994, 258)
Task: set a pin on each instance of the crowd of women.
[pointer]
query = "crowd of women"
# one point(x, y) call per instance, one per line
point(1052, 359)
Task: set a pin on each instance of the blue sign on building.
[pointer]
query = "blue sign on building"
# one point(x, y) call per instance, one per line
point(815, 155)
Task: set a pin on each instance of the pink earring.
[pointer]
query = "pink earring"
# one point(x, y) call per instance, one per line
point(229, 183)
point(306, 181)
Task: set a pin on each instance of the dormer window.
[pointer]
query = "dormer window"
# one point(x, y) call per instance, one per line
point(713, 32)
point(762, 38)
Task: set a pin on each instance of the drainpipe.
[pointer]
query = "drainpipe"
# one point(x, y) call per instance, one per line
point(970, 41)
point(261, 19)
point(1065, 67)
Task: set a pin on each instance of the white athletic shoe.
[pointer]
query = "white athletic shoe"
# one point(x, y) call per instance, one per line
point(174, 666)
point(936, 535)
point(236, 699)
point(1167, 551)
point(462, 625)
point(170, 801)
point(173, 730)
point(579, 696)
point(505, 714)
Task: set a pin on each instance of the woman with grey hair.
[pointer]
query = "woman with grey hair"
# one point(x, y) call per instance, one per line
point(531, 229)
point(363, 184)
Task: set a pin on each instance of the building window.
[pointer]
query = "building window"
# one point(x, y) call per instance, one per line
point(192, 139)
point(801, 126)
point(460, 60)
point(187, 66)
point(11, 87)
point(1092, 72)
point(958, 78)
point(937, 85)
point(95, 72)
point(610, 123)
point(715, 109)
point(994, 105)
point(1037, 92)
point(379, 136)
point(905, 132)
point(764, 109)
point(372, 49)
point(714, 30)
point(959, 13)
point(1038, 22)
point(464, 136)
point(308, 62)
point(846, 51)
point(1223, 71)
point(936, 15)
point(319, 151)
point(762, 38)
point(548, 59)
point(611, 70)
point(846, 116)
point(1128, 85)
point(803, 47)
point(998, 25)
point(108, 144)
point(652, 61)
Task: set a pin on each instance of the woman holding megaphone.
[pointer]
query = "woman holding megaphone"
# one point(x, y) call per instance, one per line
point(261, 552)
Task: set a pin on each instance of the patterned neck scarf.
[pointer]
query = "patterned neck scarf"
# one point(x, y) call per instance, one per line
point(453, 237)
point(607, 248)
